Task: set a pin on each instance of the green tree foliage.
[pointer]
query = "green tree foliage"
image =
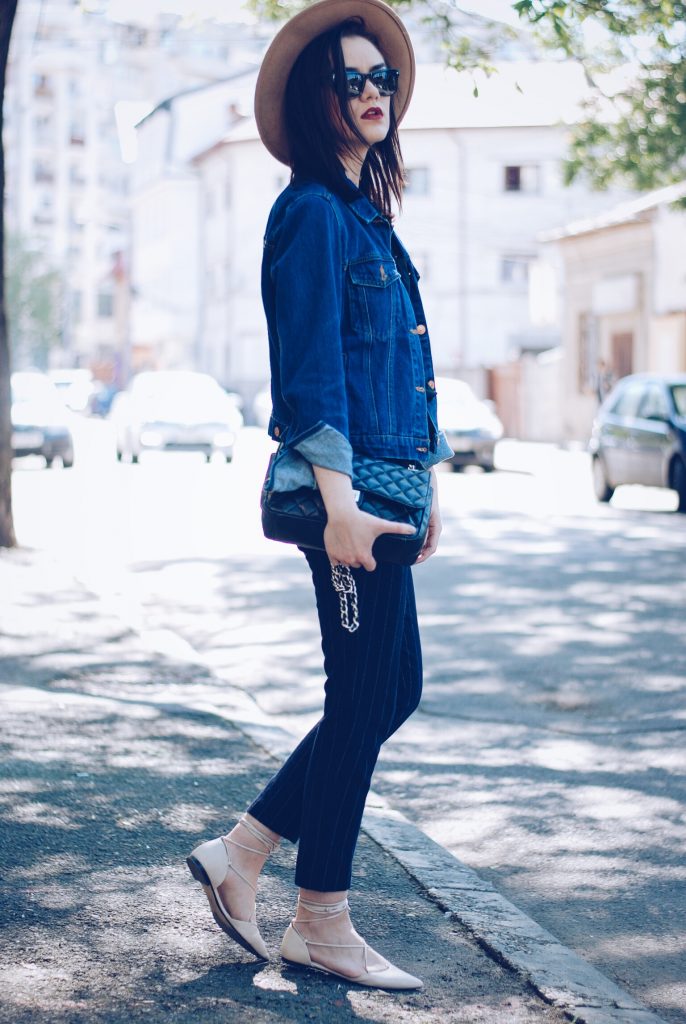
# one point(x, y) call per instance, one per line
point(637, 135)
point(32, 296)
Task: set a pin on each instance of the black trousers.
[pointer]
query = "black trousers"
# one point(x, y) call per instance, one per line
point(373, 683)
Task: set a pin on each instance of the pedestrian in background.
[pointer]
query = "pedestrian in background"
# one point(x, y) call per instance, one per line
point(351, 368)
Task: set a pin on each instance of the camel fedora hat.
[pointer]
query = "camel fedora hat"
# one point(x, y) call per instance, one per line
point(379, 20)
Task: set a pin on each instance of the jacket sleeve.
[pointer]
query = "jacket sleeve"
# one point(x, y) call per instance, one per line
point(307, 274)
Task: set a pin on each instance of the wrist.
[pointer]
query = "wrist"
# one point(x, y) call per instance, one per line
point(341, 511)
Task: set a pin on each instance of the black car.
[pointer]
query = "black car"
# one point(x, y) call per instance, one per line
point(639, 435)
point(40, 420)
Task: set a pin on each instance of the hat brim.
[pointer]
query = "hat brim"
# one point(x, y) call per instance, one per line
point(379, 20)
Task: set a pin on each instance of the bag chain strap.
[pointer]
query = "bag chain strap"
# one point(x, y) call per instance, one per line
point(344, 585)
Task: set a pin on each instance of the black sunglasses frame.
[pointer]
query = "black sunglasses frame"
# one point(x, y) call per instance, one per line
point(383, 79)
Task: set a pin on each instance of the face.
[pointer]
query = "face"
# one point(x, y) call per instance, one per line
point(370, 110)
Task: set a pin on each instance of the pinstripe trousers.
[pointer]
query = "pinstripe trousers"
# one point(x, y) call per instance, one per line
point(373, 683)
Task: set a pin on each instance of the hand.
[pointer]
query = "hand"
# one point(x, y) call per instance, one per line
point(435, 526)
point(350, 535)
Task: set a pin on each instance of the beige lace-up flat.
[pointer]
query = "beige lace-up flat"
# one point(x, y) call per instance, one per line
point(295, 948)
point(209, 864)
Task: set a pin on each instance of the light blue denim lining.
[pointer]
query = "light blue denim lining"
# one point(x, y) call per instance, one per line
point(329, 448)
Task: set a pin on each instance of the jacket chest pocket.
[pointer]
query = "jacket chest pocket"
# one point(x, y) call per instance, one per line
point(373, 295)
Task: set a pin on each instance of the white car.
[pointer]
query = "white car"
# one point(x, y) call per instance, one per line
point(175, 410)
point(40, 420)
point(470, 424)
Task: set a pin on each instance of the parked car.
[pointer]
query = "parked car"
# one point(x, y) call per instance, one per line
point(470, 425)
point(174, 410)
point(40, 420)
point(76, 387)
point(262, 406)
point(639, 435)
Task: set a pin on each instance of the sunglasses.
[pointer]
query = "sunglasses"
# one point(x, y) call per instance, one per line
point(383, 79)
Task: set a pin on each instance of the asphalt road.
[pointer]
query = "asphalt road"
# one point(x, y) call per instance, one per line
point(548, 752)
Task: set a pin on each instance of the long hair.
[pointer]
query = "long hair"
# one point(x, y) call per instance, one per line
point(316, 141)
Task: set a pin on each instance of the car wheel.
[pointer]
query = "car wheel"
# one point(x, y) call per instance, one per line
point(456, 467)
point(134, 458)
point(679, 483)
point(229, 458)
point(49, 461)
point(488, 468)
point(208, 457)
point(67, 461)
point(603, 491)
point(120, 455)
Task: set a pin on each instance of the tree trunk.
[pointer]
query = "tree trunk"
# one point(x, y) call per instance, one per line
point(8, 9)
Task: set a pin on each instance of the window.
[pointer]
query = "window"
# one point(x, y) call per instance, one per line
point(514, 269)
point(679, 398)
point(654, 405)
point(628, 400)
point(521, 178)
point(75, 304)
point(77, 133)
point(417, 181)
point(42, 86)
point(42, 126)
point(105, 304)
point(43, 172)
point(587, 351)
point(76, 176)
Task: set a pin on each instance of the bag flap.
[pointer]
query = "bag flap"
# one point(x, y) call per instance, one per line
point(391, 480)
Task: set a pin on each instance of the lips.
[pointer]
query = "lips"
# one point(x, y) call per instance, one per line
point(373, 114)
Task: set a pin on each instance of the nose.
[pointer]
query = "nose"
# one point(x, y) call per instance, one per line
point(370, 92)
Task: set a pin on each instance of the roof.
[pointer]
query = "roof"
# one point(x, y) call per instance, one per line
point(520, 94)
point(191, 90)
point(627, 212)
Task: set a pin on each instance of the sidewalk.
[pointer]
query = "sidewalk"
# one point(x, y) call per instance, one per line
point(107, 784)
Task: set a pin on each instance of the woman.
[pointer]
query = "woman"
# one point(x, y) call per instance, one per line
point(351, 368)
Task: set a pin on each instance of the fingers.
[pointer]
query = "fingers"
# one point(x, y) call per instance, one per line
point(384, 526)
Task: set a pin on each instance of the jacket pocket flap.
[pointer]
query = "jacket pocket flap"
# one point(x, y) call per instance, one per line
point(375, 272)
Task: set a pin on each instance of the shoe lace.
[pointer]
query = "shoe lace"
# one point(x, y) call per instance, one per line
point(269, 845)
point(328, 910)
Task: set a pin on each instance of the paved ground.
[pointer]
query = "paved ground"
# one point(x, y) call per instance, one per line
point(100, 800)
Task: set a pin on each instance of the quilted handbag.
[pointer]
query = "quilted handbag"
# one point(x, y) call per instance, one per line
point(399, 492)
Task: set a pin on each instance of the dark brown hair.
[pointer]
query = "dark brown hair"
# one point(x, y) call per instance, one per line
point(316, 142)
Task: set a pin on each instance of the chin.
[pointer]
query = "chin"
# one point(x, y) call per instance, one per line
point(373, 133)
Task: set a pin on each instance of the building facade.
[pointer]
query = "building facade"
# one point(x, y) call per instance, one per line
point(77, 82)
point(623, 309)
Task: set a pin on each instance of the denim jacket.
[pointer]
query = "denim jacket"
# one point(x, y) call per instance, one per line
point(348, 344)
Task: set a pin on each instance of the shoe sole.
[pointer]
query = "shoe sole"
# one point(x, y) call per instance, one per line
point(200, 875)
point(345, 977)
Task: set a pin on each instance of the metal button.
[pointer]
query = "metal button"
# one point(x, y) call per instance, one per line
point(277, 431)
point(421, 329)
point(422, 449)
point(431, 384)
point(419, 388)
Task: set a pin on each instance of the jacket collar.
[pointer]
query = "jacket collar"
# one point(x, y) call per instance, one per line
point(351, 195)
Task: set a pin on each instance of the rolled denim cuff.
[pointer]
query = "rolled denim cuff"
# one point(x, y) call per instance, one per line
point(328, 448)
point(443, 452)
